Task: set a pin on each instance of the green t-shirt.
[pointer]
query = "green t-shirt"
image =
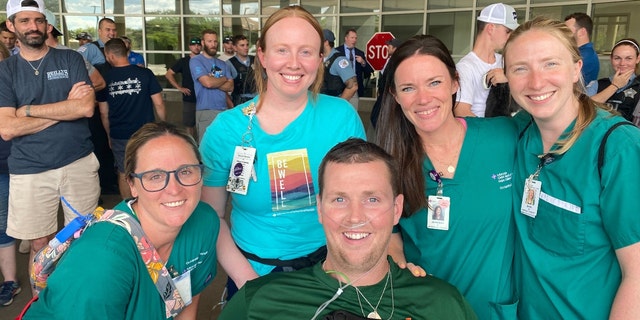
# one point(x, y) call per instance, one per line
point(102, 275)
point(298, 294)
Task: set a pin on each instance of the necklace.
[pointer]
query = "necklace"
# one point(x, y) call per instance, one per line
point(36, 70)
point(451, 169)
point(374, 314)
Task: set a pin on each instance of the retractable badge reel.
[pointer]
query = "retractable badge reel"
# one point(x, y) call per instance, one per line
point(438, 206)
point(533, 187)
point(244, 158)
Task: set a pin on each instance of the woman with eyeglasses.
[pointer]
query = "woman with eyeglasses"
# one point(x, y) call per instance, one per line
point(104, 275)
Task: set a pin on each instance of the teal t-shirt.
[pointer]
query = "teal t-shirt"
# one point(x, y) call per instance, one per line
point(476, 253)
point(103, 276)
point(277, 218)
point(297, 295)
point(565, 257)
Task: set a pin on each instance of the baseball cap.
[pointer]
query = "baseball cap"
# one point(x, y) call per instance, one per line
point(395, 42)
point(328, 35)
point(195, 40)
point(84, 36)
point(500, 13)
point(227, 39)
point(51, 19)
point(15, 6)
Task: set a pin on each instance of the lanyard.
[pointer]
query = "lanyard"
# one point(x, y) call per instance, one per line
point(433, 174)
point(247, 136)
point(545, 159)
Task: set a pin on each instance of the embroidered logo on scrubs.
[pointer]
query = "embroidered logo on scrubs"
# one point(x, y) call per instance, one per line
point(503, 179)
point(290, 180)
point(343, 63)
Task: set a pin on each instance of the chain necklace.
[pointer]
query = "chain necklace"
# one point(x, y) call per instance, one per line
point(36, 70)
point(374, 314)
point(450, 167)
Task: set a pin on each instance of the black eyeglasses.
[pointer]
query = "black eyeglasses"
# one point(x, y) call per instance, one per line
point(156, 180)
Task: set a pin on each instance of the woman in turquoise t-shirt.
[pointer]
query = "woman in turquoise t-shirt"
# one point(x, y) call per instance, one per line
point(265, 153)
point(461, 167)
point(578, 248)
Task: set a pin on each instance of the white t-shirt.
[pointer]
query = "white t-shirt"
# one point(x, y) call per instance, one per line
point(471, 70)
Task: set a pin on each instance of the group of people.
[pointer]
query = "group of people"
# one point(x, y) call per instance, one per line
point(497, 218)
point(213, 83)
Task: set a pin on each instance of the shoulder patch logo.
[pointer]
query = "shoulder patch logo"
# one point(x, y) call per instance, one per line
point(343, 63)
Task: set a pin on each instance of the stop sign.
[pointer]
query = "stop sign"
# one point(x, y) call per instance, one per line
point(377, 50)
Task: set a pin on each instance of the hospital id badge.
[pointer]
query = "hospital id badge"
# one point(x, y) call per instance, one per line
point(438, 212)
point(241, 170)
point(531, 197)
point(183, 284)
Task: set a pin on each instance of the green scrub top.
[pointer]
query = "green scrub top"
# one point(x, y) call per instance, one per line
point(476, 253)
point(566, 264)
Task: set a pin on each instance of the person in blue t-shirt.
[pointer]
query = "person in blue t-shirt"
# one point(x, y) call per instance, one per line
point(265, 154)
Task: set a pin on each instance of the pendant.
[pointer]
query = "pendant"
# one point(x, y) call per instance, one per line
point(37, 72)
point(451, 169)
point(373, 315)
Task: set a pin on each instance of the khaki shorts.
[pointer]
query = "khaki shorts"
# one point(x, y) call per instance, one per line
point(34, 198)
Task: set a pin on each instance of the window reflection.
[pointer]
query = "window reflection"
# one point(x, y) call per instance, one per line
point(353, 6)
point(204, 7)
point(403, 26)
point(449, 4)
point(270, 6)
point(123, 6)
point(82, 6)
point(163, 33)
point(243, 7)
point(247, 26)
point(161, 6)
point(403, 5)
point(320, 6)
point(159, 63)
point(454, 29)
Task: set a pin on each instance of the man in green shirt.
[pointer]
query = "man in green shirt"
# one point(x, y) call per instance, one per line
point(358, 205)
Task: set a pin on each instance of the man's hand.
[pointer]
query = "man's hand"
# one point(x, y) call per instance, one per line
point(79, 91)
point(495, 76)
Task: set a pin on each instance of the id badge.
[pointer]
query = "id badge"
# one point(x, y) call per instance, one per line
point(531, 197)
point(438, 212)
point(241, 170)
point(183, 284)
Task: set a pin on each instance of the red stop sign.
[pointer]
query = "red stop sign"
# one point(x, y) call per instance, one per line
point(377, 50)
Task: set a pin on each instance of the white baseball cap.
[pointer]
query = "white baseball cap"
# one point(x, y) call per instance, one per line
point(500, 13)
point(15, 6)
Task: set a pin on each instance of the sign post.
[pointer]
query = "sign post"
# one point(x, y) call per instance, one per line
point(377, 50)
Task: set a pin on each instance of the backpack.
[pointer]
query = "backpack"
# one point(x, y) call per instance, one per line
point(45, 261)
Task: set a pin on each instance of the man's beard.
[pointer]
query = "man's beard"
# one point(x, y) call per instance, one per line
point(33, 42)
point(210, 51)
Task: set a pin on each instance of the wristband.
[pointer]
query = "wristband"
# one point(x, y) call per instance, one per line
point(28, 110)
point(617, 88)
